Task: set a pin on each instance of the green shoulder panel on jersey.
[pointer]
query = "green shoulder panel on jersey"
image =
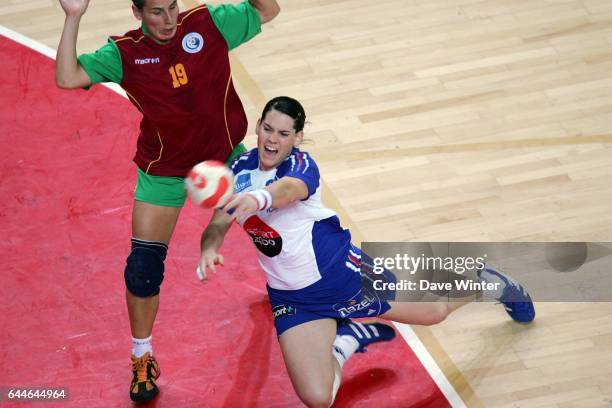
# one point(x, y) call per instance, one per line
point(238, 150)
point(103, 65)
point(236, 23)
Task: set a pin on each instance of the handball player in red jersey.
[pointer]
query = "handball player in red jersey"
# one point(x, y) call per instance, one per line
point(175, 70)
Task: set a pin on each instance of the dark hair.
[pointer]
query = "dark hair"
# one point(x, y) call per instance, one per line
point(139, 4)
point(289, 107)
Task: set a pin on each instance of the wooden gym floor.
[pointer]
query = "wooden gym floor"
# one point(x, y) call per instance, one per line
point(443, 120)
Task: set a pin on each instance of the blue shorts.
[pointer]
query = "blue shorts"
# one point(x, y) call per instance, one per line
point(339, 294)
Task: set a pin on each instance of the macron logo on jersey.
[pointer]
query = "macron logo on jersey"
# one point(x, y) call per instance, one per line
point(142, 61)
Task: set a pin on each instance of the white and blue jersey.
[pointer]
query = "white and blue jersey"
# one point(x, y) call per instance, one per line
point(306, 255)
point(297, 243)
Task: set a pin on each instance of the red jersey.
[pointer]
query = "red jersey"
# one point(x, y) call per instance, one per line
point(184, 89)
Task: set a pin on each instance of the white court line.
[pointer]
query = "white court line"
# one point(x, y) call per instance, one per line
point(30, 43)
point(430, 365)
point(405, 330)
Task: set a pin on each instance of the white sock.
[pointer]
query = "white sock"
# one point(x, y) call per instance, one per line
point(142, 346)
point(343, 348)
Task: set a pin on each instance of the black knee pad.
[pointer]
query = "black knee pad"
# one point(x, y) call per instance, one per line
point(144, 271)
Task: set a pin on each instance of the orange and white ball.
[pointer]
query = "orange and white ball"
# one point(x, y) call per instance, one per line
point(210, 184)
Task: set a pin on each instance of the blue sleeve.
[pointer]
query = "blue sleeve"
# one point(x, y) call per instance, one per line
point(246, 160)
point(305, 169)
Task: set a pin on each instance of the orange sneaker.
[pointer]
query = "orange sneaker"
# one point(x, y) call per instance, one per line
point(145, 372)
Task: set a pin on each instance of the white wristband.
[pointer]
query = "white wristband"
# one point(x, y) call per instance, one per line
point(263, 197)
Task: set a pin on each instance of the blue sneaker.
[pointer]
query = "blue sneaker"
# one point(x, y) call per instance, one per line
point(365, 333)
point(514, 297)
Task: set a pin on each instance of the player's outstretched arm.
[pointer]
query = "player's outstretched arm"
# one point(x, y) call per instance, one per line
point(68, 73)
point(287, 190)
point(268, 9)
point(211, 241)
point(279, 194)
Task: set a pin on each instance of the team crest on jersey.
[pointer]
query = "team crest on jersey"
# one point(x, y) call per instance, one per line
point(243, 181)
point(193, 42)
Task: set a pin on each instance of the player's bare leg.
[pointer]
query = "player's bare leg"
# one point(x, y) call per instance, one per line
point(149, 223)
point(152, 228)
point(316, 351)
point(510, 294)
point(422, 313)
point(307, 350)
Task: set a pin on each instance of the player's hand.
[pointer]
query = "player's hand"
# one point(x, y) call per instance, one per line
point(74, 8)
point(241, 205)
point(209, 260)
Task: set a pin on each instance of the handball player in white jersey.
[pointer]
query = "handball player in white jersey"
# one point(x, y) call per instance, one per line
point(311, 266)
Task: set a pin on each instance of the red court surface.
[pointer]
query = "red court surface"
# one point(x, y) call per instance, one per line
point(66, 181)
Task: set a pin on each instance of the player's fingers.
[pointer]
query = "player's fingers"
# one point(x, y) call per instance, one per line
point(211, 265)
point(221, 260)
point(230, 211)
point(231, 205)
point(201, 273)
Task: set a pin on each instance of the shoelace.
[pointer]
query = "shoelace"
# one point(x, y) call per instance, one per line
point(140, 366)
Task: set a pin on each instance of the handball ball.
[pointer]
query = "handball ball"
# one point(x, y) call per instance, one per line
point(210, 184)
